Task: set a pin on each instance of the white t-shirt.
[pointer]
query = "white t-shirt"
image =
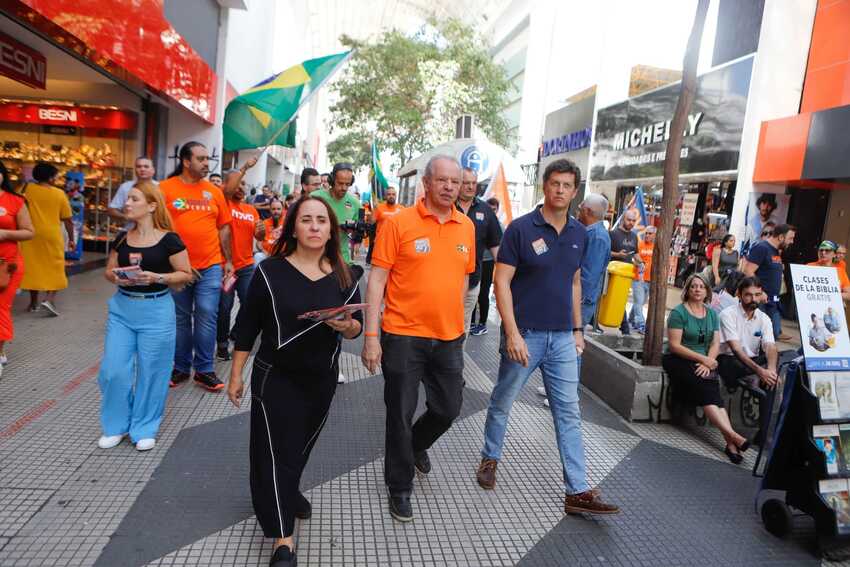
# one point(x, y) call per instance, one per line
point(751, 334)
point(120, 199)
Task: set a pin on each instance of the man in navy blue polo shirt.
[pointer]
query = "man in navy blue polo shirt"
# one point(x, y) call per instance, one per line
point(540, 255)
point(764, 261)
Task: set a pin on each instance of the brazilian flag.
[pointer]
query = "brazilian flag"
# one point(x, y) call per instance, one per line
point(378, 178)
point(264, 115)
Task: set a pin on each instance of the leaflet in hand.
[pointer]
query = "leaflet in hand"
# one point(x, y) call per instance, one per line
point(832, 389)
point(333, 312)
point(126, 273)
point(835, 493)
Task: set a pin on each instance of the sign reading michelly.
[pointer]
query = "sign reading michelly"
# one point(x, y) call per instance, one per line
point(630, 137)
point(820, 312)
point(22, 63)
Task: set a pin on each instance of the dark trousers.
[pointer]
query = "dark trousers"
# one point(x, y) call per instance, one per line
point(225, 302)
point(287, 415)
point(407, 361)
point(487, 269)
point(731, 369)
point(773, 311)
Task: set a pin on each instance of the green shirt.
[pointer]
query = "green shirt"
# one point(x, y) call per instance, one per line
point(345, 209)
point(696, 333)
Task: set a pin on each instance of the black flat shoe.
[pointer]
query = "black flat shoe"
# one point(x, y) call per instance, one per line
point(283, 557)
point(303, 508)
point(422, 462)
point(734, 457)
point(742, 448)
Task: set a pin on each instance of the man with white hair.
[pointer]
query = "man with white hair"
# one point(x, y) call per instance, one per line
point(597, 254)
point(421, 264)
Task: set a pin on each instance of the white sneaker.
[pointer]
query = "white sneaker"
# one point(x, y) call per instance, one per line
point(109, 441)
point(3, 359)
point(541, 390)
point(145, 444)
point(50, 308)
point(341, 378)
point(546, 402)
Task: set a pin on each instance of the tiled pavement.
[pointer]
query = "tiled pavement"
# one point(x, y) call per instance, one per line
point(64, 502)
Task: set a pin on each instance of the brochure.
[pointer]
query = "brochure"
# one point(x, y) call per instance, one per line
point(823, 387)
point(333, 312)
point(844, 453)
point(828, 441)
point(835, 493)
point(842, 393)
point(126, 273)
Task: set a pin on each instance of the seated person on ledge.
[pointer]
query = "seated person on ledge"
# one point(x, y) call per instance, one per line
point(747, 343)
point(691, 364)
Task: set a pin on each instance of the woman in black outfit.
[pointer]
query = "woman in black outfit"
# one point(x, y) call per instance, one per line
point(295, 371)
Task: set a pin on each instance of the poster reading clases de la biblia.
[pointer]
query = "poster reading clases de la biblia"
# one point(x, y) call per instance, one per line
point(823, 328)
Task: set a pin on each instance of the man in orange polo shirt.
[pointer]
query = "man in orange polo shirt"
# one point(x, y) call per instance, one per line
point(422, 260)
point(389, 208)
point(201, 217)
point(272, 229)
point(245, 227)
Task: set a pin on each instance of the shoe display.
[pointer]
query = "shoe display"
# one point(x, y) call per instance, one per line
point(400, 507)
point(109, 441)
point(422, 462)
point(178, 377)
point(486, 475)
point(283, 557)
point(209, 381)
point(223, 352)
point(145, 444)
point(50, 308)
point(588, 502)
point(303, 508)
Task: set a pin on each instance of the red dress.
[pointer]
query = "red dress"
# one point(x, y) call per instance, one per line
point(10, 204)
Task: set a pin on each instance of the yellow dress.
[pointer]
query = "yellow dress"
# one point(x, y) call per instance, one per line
point(44, 255)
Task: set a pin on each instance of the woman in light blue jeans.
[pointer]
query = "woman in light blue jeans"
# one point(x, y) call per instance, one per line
point(141, 328)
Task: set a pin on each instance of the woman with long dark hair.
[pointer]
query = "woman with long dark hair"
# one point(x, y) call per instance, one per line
point(140, 331)
point(295, 370)
point(15, 226)
point(724, 260)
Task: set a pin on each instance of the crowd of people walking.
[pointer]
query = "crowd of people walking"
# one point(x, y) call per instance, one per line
point(196, 241)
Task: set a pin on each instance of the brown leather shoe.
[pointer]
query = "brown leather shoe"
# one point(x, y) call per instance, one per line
point(588, 503)
point(486, 474)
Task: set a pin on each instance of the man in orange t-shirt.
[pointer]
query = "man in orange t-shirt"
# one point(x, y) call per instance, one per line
point(273, 227)
point(640, 285)
point(201, 217)
point(826, 257)
point(422, 259)
point(383, 211)
point(245, 226)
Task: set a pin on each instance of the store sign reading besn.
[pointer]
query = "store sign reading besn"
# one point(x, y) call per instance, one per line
point(22, 63)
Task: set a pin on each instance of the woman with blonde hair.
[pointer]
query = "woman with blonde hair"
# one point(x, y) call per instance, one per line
point(140, 331)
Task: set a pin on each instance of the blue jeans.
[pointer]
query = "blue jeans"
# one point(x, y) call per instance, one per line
point(225, 302)
point(555, 353)
point(772, 310)
point(640, 294)
point(197, 311)
point(136, 365)
point(588, 310)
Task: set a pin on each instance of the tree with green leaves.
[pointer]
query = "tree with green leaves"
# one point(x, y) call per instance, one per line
point(407, 91)
point(351, 147)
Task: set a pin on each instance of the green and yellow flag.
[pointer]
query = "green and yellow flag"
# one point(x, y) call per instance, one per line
point(265, 114)
point(378, 178)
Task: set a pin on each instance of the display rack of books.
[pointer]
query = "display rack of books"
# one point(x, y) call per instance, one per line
point(809, 458)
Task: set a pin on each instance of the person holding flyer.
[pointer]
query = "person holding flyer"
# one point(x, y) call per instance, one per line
point(295, 371)
point(141, 326)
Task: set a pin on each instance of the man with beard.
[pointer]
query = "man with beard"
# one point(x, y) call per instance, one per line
point(202, 218)
point(383, 211)
point(422, 259)
point(245, 227)
point(764, 260)
point(345, 205)
point(272, 228)
point(747, 344)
